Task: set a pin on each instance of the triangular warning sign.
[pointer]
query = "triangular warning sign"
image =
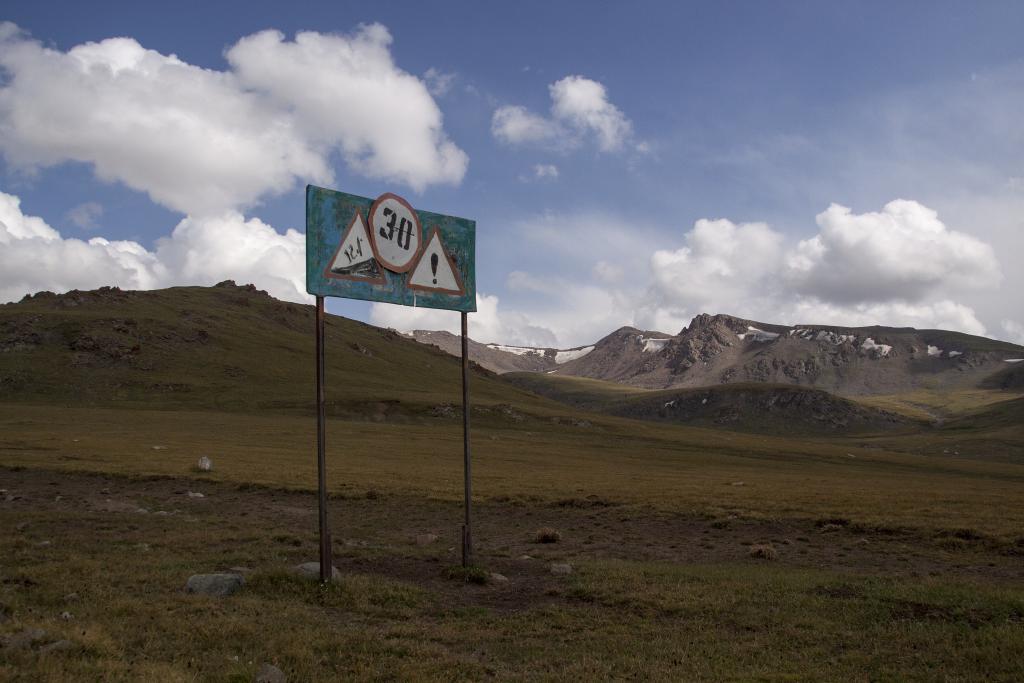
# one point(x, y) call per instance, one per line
point(355, 258)
point(436, 270)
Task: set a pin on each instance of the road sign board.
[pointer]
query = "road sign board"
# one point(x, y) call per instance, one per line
point(360, 248)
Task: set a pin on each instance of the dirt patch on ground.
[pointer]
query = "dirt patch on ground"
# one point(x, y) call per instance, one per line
point(416, 540)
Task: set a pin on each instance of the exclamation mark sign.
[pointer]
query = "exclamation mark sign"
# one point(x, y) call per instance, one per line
point(433, 266)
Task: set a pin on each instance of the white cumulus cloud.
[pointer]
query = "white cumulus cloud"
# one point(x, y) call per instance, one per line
point(199, 251)
point(34, 256)
point(745, 269)
point(515, 125)
point(347, 91)
point(202, 141)
point(1013, 331)
point(903, 252)
point(485, 325)
point(583, 104)
point(580, 108)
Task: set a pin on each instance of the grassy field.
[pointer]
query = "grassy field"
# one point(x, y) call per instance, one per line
point(653, 596)
point(696, 554)
point(667, 467)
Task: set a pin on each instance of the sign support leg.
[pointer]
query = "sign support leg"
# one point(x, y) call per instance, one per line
point(321, 434)
point(467, 527)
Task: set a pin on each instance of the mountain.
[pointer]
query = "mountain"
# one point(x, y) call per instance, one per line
point(501, 358)
point(849, 361)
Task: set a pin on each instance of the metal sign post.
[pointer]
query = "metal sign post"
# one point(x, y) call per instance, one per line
point(384, 250)
point(326, 565)
point(467, 526)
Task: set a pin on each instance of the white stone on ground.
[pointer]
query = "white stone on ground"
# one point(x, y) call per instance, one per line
point(219, 585)
point(560, 568)
point(426, 539)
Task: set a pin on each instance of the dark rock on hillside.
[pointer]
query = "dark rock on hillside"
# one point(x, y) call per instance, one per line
point(1009, 378)
point(763, 408)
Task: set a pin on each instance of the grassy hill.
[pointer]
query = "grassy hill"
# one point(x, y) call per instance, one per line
point(768, 408)
point(226, 348)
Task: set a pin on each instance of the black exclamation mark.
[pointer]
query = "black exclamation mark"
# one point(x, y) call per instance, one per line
point(433, 266)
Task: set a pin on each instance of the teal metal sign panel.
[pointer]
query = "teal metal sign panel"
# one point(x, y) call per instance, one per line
point(384, 250)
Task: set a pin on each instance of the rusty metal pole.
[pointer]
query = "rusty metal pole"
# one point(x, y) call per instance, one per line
point(321, 438)
point(467, 526)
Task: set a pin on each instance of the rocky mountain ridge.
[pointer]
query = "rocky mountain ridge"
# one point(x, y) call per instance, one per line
point(724, 349)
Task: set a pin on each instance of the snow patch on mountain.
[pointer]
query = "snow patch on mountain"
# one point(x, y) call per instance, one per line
point(652, 344)
point(754, 334)
point(870, 345)
point(934, 350)
point(822, 335)
point(572, 354)
point(518, 350)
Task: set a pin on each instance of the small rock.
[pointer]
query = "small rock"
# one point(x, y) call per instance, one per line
point(205, 464)
point(44, 544)
point(66, 616)
point(22, 526)
point(58, 646)
point(498, 578)
point(311, 571)
point(426, 539)
point(24, 639)
point(269, 673)
point(561, 568)
point(142, 511)
point(161, 513)
point(195, 494)
point(738, 483)
point(524, 557)
point(159, 448)
point(219, 585)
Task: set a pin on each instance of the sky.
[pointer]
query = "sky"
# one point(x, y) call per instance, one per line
point(626, 163)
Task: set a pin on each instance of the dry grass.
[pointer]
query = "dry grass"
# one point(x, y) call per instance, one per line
point(674, 468)
point(547, 535)
point(395, 615)
point(764, 551)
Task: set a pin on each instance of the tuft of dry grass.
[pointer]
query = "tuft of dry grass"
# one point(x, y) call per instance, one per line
point(764, 551)
point(547, 535)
